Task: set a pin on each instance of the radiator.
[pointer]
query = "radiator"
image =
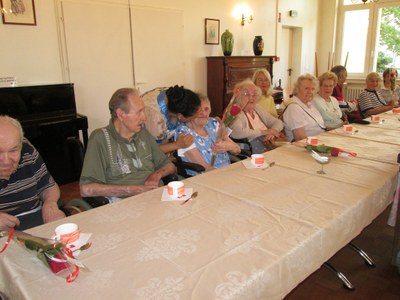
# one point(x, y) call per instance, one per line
point(352, 92)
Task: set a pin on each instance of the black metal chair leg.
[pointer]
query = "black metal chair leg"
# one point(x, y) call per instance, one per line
point(368, 261)
point(346, 283)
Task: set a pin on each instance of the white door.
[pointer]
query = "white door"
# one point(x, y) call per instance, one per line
point(158, 58)
point(286, 58)
point(99, 57)
point(290, 58)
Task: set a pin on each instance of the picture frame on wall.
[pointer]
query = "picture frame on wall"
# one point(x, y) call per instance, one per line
point(18, 12)
point(212, 31)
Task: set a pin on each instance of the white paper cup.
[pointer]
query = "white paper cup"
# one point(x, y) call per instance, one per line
point(348, 128)
point(312, 140)
point(375, 118)
point(257, 160)
point(67, 233)
point(396, 110)
point(176, 188)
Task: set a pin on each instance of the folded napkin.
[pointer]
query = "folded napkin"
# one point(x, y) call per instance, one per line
point(333, 151)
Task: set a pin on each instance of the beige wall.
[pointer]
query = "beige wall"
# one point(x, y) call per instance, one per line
point(32, 52)
point(36, 54)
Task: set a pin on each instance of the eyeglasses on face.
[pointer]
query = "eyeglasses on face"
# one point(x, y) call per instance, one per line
point(248, 94)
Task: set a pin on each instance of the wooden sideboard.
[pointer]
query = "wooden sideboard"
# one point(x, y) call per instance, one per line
point(224, 72)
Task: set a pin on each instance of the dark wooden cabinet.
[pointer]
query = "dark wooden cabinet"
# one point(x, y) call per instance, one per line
point(224, 72)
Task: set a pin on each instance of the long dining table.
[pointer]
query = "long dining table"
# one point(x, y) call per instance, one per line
point(249, 234)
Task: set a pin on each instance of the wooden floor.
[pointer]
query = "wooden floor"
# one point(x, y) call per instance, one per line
point(381, 282)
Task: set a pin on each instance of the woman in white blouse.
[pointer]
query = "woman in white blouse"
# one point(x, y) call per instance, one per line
point(301, 118)
point(326, 104)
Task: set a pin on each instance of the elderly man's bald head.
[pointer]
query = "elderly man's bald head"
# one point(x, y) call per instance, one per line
point(11, 136)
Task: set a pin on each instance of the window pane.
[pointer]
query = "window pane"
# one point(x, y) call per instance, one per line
point(355, 39)
point(389, 39)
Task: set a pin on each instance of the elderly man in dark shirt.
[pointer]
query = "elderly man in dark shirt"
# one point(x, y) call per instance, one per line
point(28, 193)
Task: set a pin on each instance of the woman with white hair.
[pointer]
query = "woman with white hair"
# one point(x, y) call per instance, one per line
point(211, 145)
point(262, 79)
point(301, 118)
point(371, 100)
point(253, 123)
point(326, 104)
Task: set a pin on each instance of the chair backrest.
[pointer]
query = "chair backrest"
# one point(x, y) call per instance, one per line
point(156, 121)
point(245, 147)
point(183, 166)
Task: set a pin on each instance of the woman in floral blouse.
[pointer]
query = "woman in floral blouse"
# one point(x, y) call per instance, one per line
point(211, 143)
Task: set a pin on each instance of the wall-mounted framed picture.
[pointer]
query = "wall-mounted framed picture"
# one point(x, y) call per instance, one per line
point(18, 12)
point(212, 31)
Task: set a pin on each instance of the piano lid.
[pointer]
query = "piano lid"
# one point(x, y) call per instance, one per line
point(38, 102)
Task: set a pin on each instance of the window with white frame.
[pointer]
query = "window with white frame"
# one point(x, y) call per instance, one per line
point(368, 38)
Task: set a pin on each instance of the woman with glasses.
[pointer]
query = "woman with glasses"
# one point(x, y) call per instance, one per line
point(253, 122)
point(262, 79)
point(301, 118)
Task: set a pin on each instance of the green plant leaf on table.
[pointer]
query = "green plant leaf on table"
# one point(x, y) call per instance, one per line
point(320, 148)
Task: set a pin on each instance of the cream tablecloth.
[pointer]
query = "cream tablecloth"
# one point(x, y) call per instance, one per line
point(250, 234)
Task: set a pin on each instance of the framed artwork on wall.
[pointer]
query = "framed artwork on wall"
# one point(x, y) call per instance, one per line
point(18, 12)
point(212, 31)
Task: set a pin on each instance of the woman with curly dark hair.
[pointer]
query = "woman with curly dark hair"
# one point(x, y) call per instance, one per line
point(183, 103)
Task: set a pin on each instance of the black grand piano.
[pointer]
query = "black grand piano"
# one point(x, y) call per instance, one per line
point(48, 116)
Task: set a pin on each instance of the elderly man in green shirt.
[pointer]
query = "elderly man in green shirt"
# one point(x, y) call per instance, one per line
point(123, 159)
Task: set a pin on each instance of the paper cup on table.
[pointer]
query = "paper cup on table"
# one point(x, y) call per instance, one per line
point(176, 188)
point(257, 160)
point(348, 128)
point(67, 233)
point(375, 118)
point(396, 110)
point(312, 140)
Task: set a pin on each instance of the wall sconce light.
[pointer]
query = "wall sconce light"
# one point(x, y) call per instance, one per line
point(248, 19)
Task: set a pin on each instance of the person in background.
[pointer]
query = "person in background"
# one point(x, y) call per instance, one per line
point(348, 106)
point(390, 90)
point(371, 100)
point(301, 118)
point(28, 193)
point(326, 104)
point(262, 79)
point(254, 123)
point(211, 142)
point(123, 159)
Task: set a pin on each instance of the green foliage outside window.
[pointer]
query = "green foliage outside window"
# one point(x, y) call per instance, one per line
point(389, 38)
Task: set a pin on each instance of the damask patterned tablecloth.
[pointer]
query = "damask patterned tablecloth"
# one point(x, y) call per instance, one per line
point(372, 133)
point(249, 234)
point(388, 120)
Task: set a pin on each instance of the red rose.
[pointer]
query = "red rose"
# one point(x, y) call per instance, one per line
point(235, 110)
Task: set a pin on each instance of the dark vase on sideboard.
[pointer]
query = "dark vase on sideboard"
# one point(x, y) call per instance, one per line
point(258, 45)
